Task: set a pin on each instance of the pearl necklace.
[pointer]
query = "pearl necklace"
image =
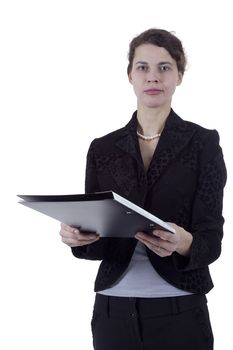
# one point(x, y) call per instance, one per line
point(148, 138)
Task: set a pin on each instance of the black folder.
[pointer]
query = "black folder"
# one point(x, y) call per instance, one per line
point(105, 213)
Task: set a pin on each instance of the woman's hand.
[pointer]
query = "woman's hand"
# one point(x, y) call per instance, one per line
point(164, 243)
point(75, 238)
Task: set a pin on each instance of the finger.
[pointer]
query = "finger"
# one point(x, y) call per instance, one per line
point(70, 242)
point(145, 238)
point(158, 250)
point(78, 242)
point(88, 240)
point(69, 228)
point(142, 235)
point(86, 236)
point(156, 244)
point(78, 236)
point(67, 234)
point(151, 239)
point(162, 252)
point(165, 235)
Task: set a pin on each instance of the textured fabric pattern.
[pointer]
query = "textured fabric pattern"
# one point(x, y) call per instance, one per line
point(184, 184)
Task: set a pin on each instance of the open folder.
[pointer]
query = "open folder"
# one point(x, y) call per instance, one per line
point(105, 213)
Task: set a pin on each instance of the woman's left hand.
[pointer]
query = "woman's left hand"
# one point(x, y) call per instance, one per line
point(164, 243)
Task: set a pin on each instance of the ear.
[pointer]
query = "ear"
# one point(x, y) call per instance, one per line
point(130, 78)
point(180, 78)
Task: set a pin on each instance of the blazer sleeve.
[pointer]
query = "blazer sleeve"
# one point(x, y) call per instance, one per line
point(207, 220)
point(93, 251)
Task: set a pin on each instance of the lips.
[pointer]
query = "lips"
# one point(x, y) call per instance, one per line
point(153, 91)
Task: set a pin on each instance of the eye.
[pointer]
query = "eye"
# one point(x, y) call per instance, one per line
point(164, 68)
point(142, 68)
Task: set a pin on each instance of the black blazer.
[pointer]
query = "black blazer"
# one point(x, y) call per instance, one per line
point(184, 184)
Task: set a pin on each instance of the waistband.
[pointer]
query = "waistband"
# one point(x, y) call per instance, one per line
point(122, 307)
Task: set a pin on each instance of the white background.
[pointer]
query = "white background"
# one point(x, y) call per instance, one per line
point(63, 82)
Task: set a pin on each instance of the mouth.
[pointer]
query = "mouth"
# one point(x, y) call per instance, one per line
point(153, 91)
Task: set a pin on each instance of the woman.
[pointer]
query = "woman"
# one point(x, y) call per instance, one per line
point(151, 288)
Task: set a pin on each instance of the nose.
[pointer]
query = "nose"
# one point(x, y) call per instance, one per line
point(153, 80)
point(152, 77)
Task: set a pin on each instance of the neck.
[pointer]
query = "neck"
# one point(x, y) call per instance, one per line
point(151, 121)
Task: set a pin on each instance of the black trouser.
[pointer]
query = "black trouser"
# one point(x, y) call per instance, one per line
point(175, 323)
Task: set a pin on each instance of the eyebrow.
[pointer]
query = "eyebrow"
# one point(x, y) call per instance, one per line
point(165, 62)
point(160, 63)
point(141, 62)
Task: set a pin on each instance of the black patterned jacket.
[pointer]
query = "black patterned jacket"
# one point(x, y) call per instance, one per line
point(184, 184)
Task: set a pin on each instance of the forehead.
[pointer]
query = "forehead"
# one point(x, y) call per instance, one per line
point(152, 54)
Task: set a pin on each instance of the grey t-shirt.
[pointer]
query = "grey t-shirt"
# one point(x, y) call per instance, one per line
point(141, 280)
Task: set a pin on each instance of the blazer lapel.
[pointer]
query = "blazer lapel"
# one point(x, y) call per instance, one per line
point(128, 143)
point(174, 138)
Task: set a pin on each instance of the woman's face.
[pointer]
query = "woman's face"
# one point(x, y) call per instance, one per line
point(154, 76)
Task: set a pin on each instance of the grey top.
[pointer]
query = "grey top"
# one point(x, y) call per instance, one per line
point(141, 280)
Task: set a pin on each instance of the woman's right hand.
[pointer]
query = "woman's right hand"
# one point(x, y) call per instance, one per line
point(73, 237)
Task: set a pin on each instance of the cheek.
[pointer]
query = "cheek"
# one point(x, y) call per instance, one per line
point(171, 86)
point(136, 87)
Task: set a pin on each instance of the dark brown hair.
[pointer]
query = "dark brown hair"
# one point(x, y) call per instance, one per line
point(161, 38)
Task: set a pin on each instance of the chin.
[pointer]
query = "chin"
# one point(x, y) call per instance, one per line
point(154, 103)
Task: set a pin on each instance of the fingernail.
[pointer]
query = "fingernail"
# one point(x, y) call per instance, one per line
point(155, 233)
point(93, 237)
